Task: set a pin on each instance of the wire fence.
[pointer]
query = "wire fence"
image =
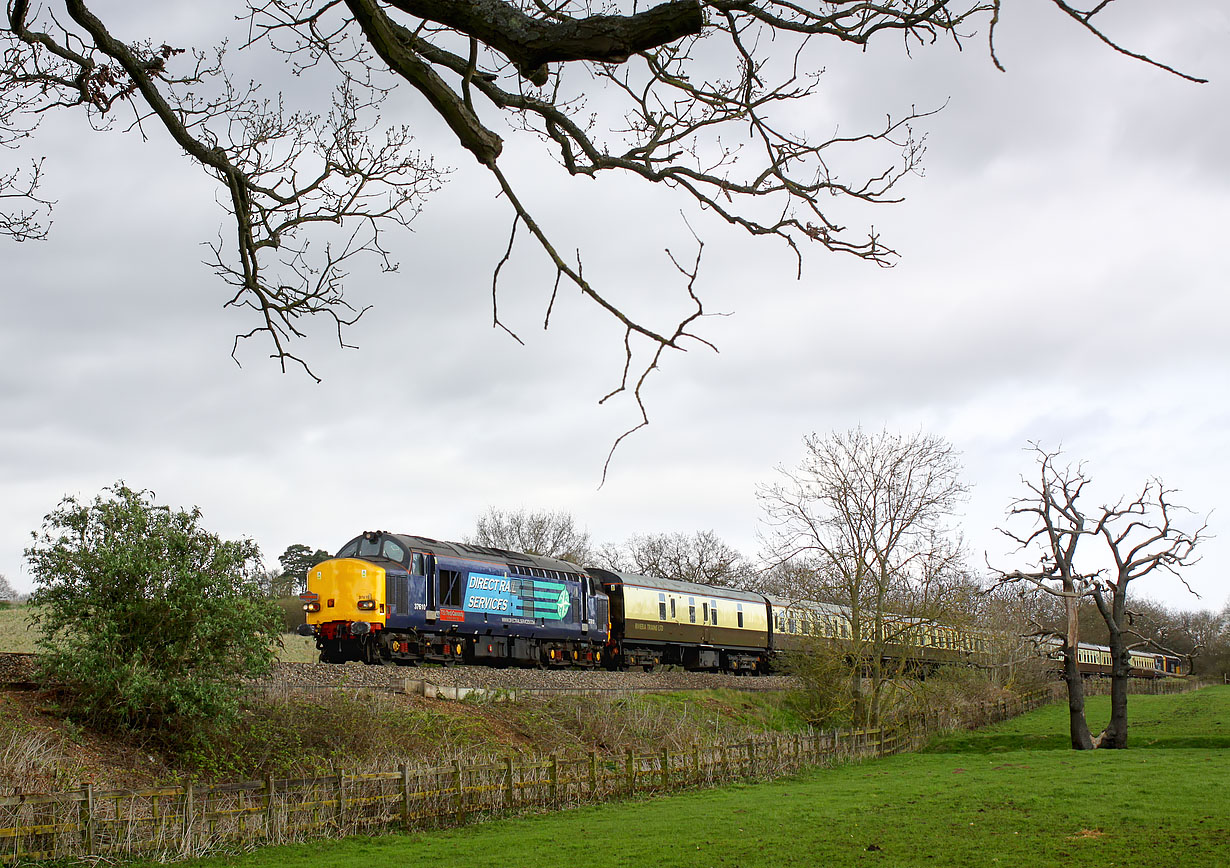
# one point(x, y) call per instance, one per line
point(192, 820)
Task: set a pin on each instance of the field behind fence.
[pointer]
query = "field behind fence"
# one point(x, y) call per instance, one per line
point(188, 820)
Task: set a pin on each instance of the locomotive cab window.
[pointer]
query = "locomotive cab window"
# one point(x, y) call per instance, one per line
point(416, 564)
point(349, 550)
point(394, 552)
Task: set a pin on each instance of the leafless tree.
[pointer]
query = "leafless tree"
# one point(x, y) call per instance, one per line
point(547, 533)
point(867, 515)
point(700, 557)
point(1138, 538)
point(7, 591)
point(697, 96)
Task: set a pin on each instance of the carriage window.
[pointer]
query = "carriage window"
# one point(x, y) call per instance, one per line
point(704, 611)
point(452, 584)
point(661, 607)
point(739, 614)
point(692, 609)
point(672, 608)
point(713, 609)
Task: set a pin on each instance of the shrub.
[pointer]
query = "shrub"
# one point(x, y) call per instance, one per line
point(149, 622)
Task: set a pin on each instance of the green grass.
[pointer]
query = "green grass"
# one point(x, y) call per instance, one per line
point(1012, 795)
point(1194, 720)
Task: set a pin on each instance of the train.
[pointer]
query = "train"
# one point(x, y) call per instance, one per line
point(408, 600)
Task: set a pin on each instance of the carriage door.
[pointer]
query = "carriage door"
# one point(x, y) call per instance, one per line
point(587, 617)
point(429, 582)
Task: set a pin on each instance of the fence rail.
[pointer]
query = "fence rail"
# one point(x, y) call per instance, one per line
point(191, 820)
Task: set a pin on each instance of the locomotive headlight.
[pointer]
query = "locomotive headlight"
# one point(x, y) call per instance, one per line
point(367, 605)
point(313, 606)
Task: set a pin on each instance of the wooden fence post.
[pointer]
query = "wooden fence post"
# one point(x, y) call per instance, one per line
point(554, 780)
point(665, 767)
point(87, 825)
point(511, 791)
point(593, 774)
point(405, 795)
point(461, 793)
point(631, 773)
point(189, 806)
point(341, 797)
point(270, 815)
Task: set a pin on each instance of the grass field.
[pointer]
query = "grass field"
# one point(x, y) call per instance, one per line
point(16, 634)
point(18, 637)
point(1011, 795)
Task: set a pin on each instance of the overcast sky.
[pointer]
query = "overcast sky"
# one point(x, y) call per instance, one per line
point(1062, 280)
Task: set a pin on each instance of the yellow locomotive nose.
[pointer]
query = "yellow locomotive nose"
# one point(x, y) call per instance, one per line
point(345, 589)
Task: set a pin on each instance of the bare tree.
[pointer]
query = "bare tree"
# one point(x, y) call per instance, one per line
point(1138, 537)
point(700, 557)
point(698, 95)
point(551, 534)
point(867, 516)
point(7, 592)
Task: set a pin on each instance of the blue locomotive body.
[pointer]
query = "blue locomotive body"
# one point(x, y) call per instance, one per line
point(410, 599)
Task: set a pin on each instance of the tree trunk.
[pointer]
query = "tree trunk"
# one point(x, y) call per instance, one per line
point(1115, 735)
point(1078, 728)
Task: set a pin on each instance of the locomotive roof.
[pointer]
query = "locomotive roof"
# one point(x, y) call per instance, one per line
point(613, 577)
point(466, 551)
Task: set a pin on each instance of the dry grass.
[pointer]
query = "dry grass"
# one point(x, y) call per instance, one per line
point(17, 635)
point(298, 649)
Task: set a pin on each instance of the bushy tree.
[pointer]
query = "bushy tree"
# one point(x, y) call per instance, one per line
point(149, 621)
point(295, 561)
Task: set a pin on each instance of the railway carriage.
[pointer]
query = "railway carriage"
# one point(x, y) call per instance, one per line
point(1096, 660)
point(662, 621)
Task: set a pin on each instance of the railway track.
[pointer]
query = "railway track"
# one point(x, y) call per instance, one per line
point(17, 672)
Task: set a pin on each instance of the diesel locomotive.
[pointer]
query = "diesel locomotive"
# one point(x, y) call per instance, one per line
point(404, 599)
